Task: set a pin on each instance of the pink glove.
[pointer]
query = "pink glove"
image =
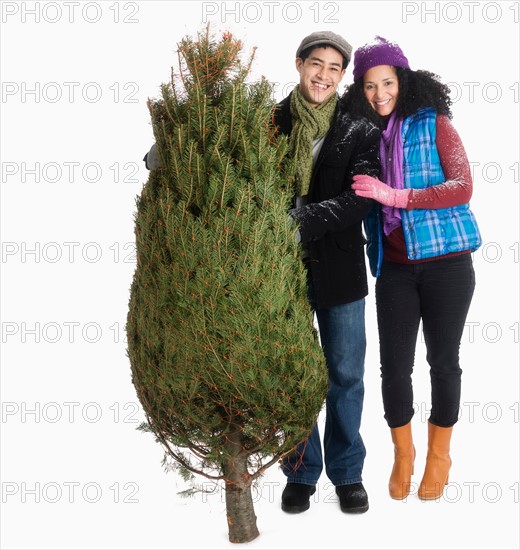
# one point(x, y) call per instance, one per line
point(367, 186)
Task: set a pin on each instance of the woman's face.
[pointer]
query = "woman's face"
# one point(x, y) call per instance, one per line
point(381, 88)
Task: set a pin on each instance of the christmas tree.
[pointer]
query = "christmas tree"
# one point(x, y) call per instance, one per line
point(224, 355)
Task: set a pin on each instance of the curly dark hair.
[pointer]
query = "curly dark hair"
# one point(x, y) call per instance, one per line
point(417, 90)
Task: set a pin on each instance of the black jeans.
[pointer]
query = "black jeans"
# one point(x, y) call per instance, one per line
point(439, 292)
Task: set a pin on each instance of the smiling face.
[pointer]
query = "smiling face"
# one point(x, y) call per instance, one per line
point(381, 88)
point(320, 74)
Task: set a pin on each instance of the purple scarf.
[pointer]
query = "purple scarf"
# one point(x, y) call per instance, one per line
point(391, 150)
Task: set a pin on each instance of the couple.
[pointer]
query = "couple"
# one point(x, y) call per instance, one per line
point(386, 155)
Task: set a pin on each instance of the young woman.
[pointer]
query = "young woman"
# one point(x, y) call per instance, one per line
point(421, 234)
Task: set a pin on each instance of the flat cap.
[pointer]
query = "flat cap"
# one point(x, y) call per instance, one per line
point(327, 38)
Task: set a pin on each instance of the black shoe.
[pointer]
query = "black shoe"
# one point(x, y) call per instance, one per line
point(296, 497)
point(353, 499)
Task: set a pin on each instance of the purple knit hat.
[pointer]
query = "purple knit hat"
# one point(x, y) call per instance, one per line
point(378, 52)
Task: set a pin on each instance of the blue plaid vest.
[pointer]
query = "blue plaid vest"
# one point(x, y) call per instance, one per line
point(428, 232)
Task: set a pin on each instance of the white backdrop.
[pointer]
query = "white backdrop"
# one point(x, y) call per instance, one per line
point(74, 471)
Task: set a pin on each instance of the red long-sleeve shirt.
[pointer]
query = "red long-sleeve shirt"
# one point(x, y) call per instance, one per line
point(457, 189)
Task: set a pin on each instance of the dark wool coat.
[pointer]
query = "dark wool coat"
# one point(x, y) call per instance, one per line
point(330, 225)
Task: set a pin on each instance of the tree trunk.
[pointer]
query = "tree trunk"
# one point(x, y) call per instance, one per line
point(240, 511)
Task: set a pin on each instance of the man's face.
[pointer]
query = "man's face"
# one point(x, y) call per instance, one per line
point(320, 74)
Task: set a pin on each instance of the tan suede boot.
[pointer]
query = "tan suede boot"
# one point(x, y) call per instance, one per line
point(404, 456)
point(438, 463)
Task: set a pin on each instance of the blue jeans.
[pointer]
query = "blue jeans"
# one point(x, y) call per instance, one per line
point(342, 336)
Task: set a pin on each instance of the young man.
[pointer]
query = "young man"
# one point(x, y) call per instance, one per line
point(330, 148)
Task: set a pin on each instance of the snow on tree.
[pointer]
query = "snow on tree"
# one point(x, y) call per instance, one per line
point(224, 354)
